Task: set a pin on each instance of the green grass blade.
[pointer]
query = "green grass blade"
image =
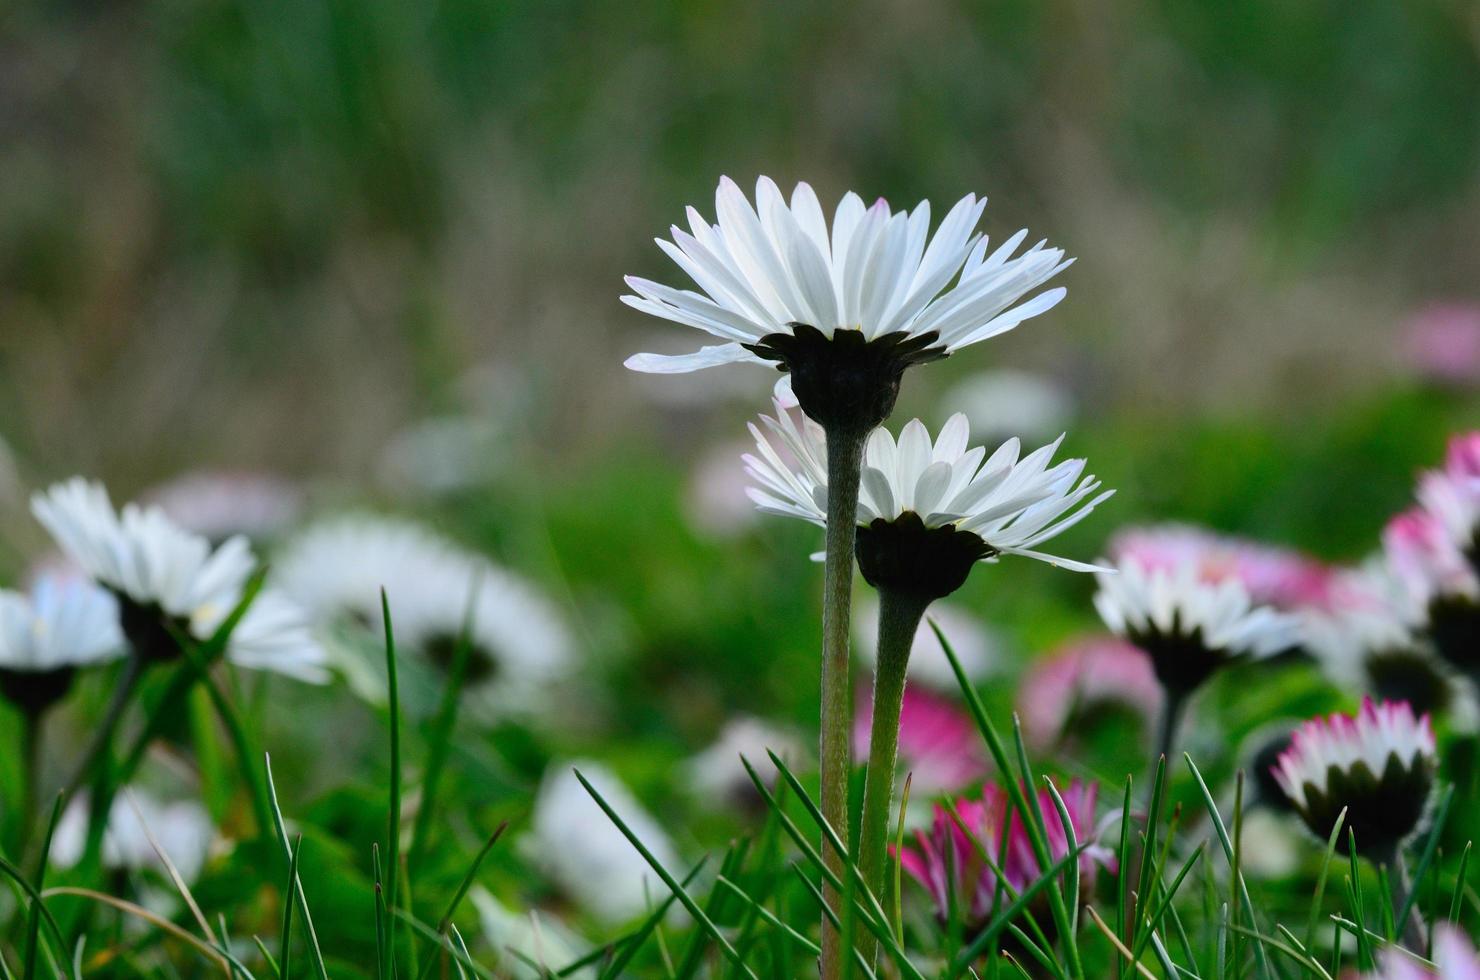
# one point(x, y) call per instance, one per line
point(673, 885)
point(393, 817)
point(1459, 883)
point(1441, 813)
point(1260, 955)
point(317, 954)
point(1320, 892)
point(285, 962)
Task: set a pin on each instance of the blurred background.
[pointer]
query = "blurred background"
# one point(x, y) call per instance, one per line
point(374, 249)
point(273, 234)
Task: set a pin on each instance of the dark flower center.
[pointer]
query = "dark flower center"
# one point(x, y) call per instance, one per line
point(150, 630)
point(1406, 675)
point(1182, 661)
point(908, 558)
point(1382, 810)
point(33, 691)
point(1454, 624)
point(844, 382)
point(441, 649)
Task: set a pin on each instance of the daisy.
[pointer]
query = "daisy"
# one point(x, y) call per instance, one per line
point(1442, 344)
point(1188, 628)
point(1454, 958)
point(1272, 576)
point(1377, 764)
point(948, 863)
point(1006, 402)
point(845, 309)
point(1075, 683)
point(717, 775)
point(182, 828)
point(168, 580)
point(1367, 641)
point(518, 643)
point(585, 854)
point(928, 511)
point(939, 745)
point(1441, 584)
point(64, 624)
point(522, 939)
point(221, 503)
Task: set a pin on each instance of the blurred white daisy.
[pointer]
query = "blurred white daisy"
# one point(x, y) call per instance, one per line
point(1453, 958)
point(717, 776)
point(518, 643)
point(521, 938)
point(167, 578)
point(1366, 640)
point(586, 855)
point(1273, 576)
point(221, 503)
point(715, 502)
point(1083, 677)
point(1001, 403)
point(1189, 627)
point(1378, 765)
point(182, 828)
point(63, 624)
point(978, 648)
point(928, 511)
point(767, 268)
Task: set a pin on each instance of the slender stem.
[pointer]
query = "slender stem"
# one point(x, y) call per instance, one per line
point(899, 617)
point(1413, 931)
point(1175, 702)
point(844, 465)
point(31, 764)
point(133, 669)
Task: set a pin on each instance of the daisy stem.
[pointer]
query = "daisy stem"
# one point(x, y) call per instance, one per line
point(1173, 705)
point(133, 670)
point(844, 466)
point(899, 617)
point(31, 763)
point(1413, 931)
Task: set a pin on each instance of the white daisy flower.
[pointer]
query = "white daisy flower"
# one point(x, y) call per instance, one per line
point(1452, 494)
point(62, 625)
point(222, 503)
point(522, 938)
point(718, 777)
point(779, 284)
point(1365, 640)
point(935, 508)
point(586, 855)
point(182, 828)
point(519, 644)
point(1004, 402)
point(168, 578)
point(767, 267)
point(1190, 627)
point(1377, 764)
point(1454, 958)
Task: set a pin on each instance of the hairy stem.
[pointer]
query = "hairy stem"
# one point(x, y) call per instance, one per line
point(1174, 705)
point(899, 617)
point(133, 669)
point(1413, 932)
point(844, 464)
